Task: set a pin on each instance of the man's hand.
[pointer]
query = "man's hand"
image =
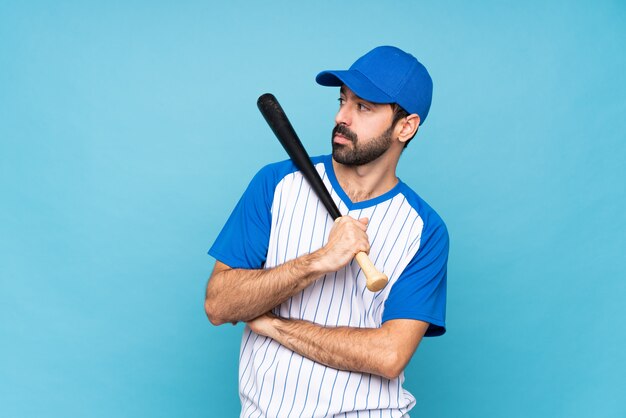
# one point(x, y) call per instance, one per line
point(263, 325)
point(347, 237)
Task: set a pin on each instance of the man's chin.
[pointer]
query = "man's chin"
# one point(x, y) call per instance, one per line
point(344, 158)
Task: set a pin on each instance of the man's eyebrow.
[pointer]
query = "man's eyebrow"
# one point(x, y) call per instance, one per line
point(342, 90)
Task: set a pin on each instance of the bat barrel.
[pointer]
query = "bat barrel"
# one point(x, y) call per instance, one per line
point(277, 120)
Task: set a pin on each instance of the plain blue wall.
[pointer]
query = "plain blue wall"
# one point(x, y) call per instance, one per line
point(128, 130)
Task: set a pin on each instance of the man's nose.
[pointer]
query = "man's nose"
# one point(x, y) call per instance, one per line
point(343, 116)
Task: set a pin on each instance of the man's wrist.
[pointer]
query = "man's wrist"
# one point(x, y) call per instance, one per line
point(276, 327)
point(317, 262)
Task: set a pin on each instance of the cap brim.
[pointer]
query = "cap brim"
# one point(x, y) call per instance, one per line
point(355, 81)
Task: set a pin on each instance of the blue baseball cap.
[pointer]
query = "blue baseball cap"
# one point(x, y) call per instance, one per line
point(386, 74)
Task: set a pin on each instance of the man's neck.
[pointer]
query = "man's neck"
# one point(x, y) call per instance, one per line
point(366, 181)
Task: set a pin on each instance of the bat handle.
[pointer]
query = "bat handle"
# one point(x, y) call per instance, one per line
point(375, 280)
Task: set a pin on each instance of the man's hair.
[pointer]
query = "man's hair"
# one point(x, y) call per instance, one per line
point(398, 114)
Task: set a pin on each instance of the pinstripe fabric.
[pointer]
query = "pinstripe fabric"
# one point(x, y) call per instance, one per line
point(274, 381)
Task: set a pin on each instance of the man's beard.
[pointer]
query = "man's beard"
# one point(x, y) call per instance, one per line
point(359, 153)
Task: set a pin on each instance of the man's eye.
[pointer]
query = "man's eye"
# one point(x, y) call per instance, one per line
point(362, 107)
point(341, 101)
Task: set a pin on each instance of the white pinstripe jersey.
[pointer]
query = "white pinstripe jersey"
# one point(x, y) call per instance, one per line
point(278, 219)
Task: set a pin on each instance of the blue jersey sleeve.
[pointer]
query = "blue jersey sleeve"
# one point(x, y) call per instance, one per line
point(243, 241)
point(420, 291)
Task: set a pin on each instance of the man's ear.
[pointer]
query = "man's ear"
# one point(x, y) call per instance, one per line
point(408, 127)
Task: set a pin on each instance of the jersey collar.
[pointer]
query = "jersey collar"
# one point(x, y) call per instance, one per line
point(328, 164)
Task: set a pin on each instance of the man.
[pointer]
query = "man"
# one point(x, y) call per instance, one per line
point(317, 342)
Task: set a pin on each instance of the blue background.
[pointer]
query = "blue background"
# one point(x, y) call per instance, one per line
point(128, 131)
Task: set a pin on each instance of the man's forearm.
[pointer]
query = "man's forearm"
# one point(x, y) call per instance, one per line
point(344, 348)
point(382, 351)
point(240, 295)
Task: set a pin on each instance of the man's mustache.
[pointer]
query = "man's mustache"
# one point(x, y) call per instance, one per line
point(345, 132)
